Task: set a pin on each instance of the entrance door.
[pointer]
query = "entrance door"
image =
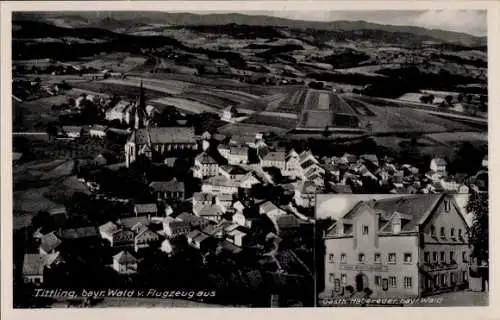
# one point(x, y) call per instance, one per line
point(361, 282)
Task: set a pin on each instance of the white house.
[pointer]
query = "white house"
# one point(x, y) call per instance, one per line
point(125, 263)
point(98, 131)
point(438, 165)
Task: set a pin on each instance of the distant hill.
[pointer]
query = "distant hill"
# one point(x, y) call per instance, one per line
point(120, 20)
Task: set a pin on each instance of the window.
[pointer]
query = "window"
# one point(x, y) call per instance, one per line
point(452, 232)
point(377, 258)
point(365, 229)
point(452, 257)
point(378, 281)
point(464, 256)
point(331, 278)
point(447, 205)
point(427, 256)
point(361, 257)
point(433, 231)
point(452, 277)
point(407, 258)
point(443, 257)
point(444, 279)
point(343, 278)
point(343, 258)
point(408, 282)
point(330, 257)
point(391, 258)
point(434, 256)
point(459, 233)
point(442, 233)
point(392, 282)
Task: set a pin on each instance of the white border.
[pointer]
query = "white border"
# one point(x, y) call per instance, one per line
point(7, 312)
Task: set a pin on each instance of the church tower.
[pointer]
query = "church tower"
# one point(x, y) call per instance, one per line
point(140, 110)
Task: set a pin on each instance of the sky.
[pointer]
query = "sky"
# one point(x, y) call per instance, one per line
point(468, 21)
point(336, 205)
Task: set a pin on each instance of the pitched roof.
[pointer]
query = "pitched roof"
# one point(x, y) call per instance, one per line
point(192, 219)
point(145, 207)
point(238, 151)
point(204, 196)
point(132, 221)
point(50, 242)
point(34, 264)
point(167, 186)
point(275, 156)
point(211, 210)
point(221, 181)
point(439, 161)
point(124, 257)
point(108, 227)
point(79, 233)
point(205, 158)
point(267, 206)
point(164, 135)
point(234, 169)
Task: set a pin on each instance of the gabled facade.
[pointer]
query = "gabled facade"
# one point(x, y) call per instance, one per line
point(394, 247)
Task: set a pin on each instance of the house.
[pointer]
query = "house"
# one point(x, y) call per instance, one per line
point(292, 164)
point(236, 236)
point(463, 189)
point(438, 165)
point(166, 246)
point(271, 210)
point(238, 155)
point(225, 200)
point(49, 243)
point(146, 209)
point(205, 166)
point(170, 161)
point(234, 172)
point(193, 220)
point(197, 239)
point(201, 199)
point(176, 227)
point(107, 231)
point(144, 237)
point(89, 233)
point(411, 245)
point(125, 263)
point(98, 131)
point(371, 159)
point(305, 193)
point(131, 222)
point(213, 212)
point(72, 131)
point(228, 113)
point(121, 112)
point(224, 150)
point(276, 159)
point(220, 185)
point(449, 184)
point(159, 141)
point(34, 266)
point(172, 189)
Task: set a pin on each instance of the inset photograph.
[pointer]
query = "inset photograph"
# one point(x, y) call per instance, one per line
point(402, 250)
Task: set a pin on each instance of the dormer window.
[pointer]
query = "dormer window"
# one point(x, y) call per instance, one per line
point(433, 231)
point(396, 227)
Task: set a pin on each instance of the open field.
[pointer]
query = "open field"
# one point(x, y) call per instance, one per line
point(359, 107)
point(248, 129)
point(129, 91)
point(273, 120)
point(186, 105)
point(294, 100)
point(454, 138)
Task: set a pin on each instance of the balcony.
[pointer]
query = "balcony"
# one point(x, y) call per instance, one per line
point(429, 267)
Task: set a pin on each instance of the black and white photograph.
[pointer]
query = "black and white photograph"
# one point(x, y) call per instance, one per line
point(402, 250)
point(233, 159)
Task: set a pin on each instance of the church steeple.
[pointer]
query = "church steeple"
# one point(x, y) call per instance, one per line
point(140, 110)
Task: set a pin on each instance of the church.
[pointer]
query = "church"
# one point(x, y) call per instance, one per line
point(156, 142)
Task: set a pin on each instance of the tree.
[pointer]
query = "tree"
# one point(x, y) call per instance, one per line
point(326, 132)
point(448, 99)
point(478, 233)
